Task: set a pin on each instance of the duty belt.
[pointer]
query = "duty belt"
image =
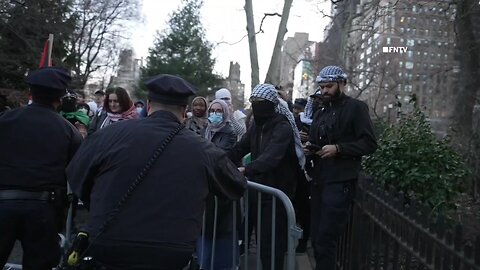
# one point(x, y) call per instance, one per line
point(13, 194)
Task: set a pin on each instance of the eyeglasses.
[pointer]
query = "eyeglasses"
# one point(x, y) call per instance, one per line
point(215, 111)
point(225, 98)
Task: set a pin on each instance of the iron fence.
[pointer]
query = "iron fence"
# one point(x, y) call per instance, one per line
point(386, 231)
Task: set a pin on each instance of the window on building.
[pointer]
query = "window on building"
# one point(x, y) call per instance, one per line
point(410, 42)
point(400, 75)
point(402, 19)
point(388, 41)
point(414, 31)
point(368, 60)
point(426, 32)
point(414, 8)
point(409, 54)
point(446, 56)
point(408, 65)
point(402, 30)
point(362, 55)
point(400, 64)
point(369, 50)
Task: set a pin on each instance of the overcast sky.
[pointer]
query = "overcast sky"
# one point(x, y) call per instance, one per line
point(225, 22)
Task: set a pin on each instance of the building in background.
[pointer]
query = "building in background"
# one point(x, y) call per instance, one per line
point(235, 85)
point(296, 68)
point(305, 73)
point(401, 54)
point(128, 74)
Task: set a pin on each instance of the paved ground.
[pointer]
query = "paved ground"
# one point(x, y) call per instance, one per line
point(303, 261)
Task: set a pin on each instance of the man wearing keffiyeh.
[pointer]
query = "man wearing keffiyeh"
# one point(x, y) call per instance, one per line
point(340, 134)
point(277, 161)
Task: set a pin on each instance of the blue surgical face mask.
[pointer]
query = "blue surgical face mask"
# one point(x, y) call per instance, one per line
point(215, 118)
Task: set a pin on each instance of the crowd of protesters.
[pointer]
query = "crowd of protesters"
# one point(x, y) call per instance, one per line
point(310, 149)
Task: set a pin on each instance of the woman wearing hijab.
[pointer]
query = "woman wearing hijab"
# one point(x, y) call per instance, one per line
point(117, 106)
point(221, 133)
point(198, 121)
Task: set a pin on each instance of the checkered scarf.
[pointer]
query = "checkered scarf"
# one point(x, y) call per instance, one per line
point(268, 92)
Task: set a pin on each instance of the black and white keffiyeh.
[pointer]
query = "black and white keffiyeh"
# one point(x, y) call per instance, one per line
point(268, 92)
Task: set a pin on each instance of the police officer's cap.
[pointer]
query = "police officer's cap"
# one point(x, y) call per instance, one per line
point(169, 89)
point(54, 78)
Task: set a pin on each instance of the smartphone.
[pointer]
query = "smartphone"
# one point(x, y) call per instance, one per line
point(313, 147)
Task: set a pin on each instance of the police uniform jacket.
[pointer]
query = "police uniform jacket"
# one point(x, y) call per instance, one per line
point(345, 122)
point(36, 145)
point(274, 162)
point(167, 207)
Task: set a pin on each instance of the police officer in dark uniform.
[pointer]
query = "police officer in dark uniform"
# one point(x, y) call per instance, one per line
point(36, 145)
point(342, 133)
point(158, 225)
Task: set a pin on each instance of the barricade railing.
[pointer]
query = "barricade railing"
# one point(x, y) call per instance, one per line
point(293, 232)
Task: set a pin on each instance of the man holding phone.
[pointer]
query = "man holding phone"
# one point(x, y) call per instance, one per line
point(340, 134)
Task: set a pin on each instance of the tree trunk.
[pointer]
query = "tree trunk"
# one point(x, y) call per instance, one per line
point(469, 76)
point(273, 74)
point(252, 42)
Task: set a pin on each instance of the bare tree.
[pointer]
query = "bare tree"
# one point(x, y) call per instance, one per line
point(470, 71)
point(252, 42)
point(95, 43)
point(273, 74)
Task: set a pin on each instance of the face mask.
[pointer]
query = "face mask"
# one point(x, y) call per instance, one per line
point(262, 111)
point(215, 118)
point(139, 110)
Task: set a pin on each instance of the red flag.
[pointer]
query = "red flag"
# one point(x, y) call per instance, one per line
point(43, 60)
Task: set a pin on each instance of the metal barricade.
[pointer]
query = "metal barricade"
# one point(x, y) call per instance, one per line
point(293, 232)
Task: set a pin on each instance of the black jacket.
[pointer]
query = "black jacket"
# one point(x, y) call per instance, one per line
point(345, 122)
point(223, 139)
point(274, 161)
point(167, 207)
point(97, 121)
point(36, 145)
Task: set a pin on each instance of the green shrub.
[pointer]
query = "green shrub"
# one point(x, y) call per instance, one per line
point(410, 159)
